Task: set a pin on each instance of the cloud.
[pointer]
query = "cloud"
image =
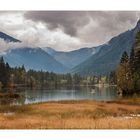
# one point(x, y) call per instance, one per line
point(35, 34)
point(65, 30)
point(91, 27)
point(4, 46)
point(69, 22)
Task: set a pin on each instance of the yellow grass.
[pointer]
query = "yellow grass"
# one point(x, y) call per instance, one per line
point(72, 115)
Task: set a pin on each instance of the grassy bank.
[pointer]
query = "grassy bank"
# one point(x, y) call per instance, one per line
point(123, 114)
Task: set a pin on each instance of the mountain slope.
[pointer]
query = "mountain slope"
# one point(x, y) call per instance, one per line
point(8, 38)
point(109, 55)
point(72, 58)
point(33, 58)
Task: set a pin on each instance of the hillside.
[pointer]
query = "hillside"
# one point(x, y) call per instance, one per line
point(33, 58)
point(108, 57)
point(72, 58)
point(8, 38)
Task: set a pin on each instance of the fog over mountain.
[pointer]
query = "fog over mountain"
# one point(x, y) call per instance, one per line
point(89, 42)
point(66, 30)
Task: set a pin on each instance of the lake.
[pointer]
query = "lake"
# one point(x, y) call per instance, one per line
point(75, 93)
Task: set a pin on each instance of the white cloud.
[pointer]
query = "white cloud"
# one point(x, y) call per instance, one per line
point(4, 46)
point(35, 34)
point(86, 29)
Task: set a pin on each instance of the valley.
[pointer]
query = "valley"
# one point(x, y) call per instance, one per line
point(54, 77)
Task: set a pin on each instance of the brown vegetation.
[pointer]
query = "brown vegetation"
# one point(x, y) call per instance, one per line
point(72, 115)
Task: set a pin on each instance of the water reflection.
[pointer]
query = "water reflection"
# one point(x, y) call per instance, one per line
point(64, 93)
point(73, 93)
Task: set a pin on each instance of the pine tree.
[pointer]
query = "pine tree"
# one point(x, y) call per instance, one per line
point(2, 72)
point(131, 60)
point(124, 58)
point(123, 74)
point(112, 77)
point(137, 60)
point(69, 79)
point(128, 72)
point(137, 39)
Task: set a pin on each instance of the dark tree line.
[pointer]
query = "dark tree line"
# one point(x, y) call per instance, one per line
point(19, 77)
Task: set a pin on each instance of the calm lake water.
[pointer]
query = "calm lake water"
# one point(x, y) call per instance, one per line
point(77, 93)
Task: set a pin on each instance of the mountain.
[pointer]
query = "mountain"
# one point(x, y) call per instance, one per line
point(49, 50)
point(108, 57)
point(33, 58)
point(72, 58)
point(8, 38)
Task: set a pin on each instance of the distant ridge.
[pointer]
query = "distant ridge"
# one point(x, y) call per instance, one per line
point(33, 58)
point(72, 58)
point(8, 38)
point(109, 55)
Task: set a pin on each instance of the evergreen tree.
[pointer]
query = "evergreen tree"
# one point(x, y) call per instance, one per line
point(128, 72)
point(69, 79)
point(137, 39)
point(131, 60)
point(76, 79)
point(112, 77)
point(136, 61)
point(124, 58)
point(3, 72)
point(123, 74)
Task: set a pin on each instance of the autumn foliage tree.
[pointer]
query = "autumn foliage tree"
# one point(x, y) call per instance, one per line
point(128, 71)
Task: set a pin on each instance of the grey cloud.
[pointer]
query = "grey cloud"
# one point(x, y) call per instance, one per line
point(68, 21)
point(113, 20)
point(66, 30)
point(109, 23)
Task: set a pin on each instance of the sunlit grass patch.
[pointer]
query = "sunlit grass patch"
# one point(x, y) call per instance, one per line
point(72, 115)
point(14, 109)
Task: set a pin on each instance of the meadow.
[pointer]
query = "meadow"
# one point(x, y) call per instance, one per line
point(122, 114)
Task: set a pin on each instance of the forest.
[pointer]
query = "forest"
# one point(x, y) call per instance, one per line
point(126, 76)
point(19, 77)
point(128, 71)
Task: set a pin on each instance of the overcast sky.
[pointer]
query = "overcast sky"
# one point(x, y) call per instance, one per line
point(65, 30)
